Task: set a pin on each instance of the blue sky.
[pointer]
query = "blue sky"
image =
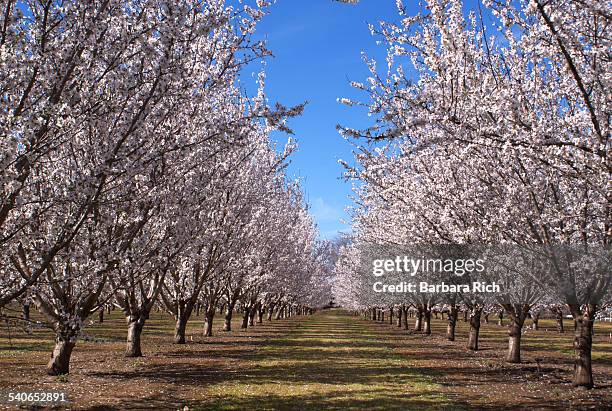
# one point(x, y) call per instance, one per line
point(317, 46)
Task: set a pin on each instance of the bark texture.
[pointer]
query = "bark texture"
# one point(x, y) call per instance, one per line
point(60, 358)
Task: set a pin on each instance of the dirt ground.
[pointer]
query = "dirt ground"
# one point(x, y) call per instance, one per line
point(331, 360)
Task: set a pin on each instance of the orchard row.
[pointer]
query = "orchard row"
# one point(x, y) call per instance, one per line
point(137, 171)
point(492, 128)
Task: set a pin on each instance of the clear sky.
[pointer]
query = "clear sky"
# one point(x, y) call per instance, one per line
point(317, 46)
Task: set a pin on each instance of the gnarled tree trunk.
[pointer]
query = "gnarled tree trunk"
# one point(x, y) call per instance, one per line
point(65, 339)
point(209, 316)
point(514, 343)
point(583, 344)
point(474, 329)
point(182, 315)
point(133, 347)
point(518, 314)
point(179, 329)
point(60, 358)
point(418, 323)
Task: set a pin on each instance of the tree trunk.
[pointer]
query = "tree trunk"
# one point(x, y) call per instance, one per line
point(25, 308)
point(583, 343)
point(418, 324)
point(245, 318)
point(179, 329)
point(227, 325)
point(452, 323)
point(465, 316)
point(535, 318)
point(514, 342)
point(101, 315)
point(252, 313)
point(279, 312)
point(60, 358)
point(400, 315)
point(517, 313)
point(260, 314)
point(133, 347)
point(405, 318)
point(474, 329)
point(500, 321)
point(270, 312)
point(559, 317)
point(427, 321)
point(391, 316)
point(209, 316)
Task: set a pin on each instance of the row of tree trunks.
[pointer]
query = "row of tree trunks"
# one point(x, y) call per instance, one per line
point(584, 318)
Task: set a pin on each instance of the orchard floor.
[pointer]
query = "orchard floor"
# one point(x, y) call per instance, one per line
point(330, 360)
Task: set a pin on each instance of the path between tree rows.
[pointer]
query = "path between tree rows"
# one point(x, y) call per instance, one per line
point(332, 360)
